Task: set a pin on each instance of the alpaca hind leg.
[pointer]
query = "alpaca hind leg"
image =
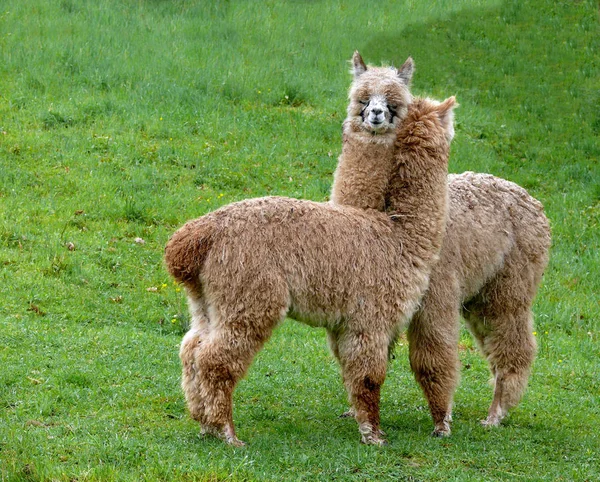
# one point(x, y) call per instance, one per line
point(501, 319)
point(364, 363)
point(221, 360)
point(188, 354)
point(506, 340)
point(511, 350)
point(241, 318)
point(198, 331)
point(433, 350)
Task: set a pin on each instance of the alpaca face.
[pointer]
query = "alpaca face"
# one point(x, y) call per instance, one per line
point(379, 96)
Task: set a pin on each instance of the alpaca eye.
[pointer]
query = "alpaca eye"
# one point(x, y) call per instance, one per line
point(363, 102)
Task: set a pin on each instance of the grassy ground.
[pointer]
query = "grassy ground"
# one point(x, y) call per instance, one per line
point(121, 120)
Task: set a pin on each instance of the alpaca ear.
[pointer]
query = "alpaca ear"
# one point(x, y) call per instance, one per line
point(358, 65)
point(406, 71)
point(446, 112)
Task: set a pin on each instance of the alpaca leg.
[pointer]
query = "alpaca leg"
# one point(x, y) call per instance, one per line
point(433, 347)
point(504, 335)
point(512, 349)
point(221, 360)
point(332, 338)
point(238, 320)
point(188, 353)
point(364, 364)
point(217, 374)
point(501, 319)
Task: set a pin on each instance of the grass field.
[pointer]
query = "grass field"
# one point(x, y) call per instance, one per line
point(121, 120)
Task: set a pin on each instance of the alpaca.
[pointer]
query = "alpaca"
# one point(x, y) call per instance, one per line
point(494, 252)
point(358, 273)
point(379, 99)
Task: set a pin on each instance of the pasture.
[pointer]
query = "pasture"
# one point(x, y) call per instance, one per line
point(119, 121)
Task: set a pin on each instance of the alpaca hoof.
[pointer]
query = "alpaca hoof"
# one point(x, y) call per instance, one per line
point(347, 414)
point(442, 430)
point(235, 442)
point(371, 436)
point(229, 436)
point(491, 422)
point(441, 433)
point(374, 440)
point(223, 433)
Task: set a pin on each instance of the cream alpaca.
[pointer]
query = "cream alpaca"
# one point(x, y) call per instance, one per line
point(494, 252)
point(358, 273)
point(379, 99)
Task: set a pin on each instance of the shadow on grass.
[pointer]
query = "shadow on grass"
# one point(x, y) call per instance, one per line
point(526, 84)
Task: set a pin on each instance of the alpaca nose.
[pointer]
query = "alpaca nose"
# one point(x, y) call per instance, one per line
point(376, 111)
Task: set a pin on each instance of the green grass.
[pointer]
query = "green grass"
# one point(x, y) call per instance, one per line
point(121, 120)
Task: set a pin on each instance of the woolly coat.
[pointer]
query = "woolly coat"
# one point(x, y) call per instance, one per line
point(489, 219)
point(324, 264)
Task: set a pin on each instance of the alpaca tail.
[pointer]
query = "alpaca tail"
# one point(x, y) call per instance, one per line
point(187, 250)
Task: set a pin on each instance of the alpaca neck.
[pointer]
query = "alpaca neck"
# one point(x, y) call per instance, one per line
point(364, 169)
point(417, 198)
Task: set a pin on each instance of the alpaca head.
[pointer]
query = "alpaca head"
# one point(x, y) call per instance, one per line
point(379, 96)
point(429, 123)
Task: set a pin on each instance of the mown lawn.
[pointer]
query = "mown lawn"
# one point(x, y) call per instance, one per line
point(121, 120)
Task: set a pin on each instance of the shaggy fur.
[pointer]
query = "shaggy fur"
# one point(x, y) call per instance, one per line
point(359, 273)
point(494, 253)
point(379, 99)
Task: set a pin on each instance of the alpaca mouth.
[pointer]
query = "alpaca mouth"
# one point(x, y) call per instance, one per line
point(376, 125)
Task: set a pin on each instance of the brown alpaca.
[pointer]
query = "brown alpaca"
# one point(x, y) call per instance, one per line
point(358, 273)
point(494, 252)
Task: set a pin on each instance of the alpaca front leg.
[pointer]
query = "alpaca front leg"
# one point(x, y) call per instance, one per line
point(332, 338)
point(433, 352)
point(365, 394)
point(364, 365)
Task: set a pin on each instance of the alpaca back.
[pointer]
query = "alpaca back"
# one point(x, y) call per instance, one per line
point(489, 219)
point(329, 258)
